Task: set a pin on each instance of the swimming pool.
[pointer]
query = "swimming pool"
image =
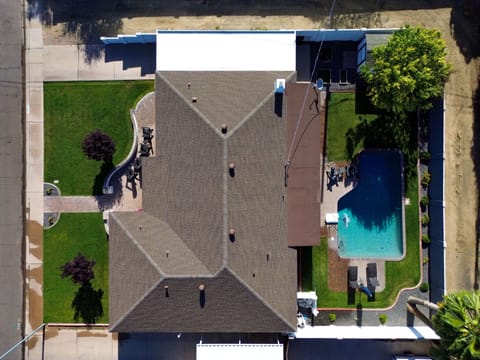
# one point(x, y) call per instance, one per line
point(370, 217)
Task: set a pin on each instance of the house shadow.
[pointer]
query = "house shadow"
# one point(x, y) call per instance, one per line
point(133, 56)
point(87, 304)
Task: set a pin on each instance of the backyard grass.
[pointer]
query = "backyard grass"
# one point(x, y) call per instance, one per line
point(74, 233)
point(348, 131)
point(342, 118)
point(74, 109)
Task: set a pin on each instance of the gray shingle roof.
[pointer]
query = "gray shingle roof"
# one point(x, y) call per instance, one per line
point(190, 202)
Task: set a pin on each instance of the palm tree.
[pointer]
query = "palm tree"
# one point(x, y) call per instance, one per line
point(457, 322)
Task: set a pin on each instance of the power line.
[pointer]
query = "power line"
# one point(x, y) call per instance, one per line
point(288, 162)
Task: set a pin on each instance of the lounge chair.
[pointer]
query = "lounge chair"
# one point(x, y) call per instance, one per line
point(352, 285)
point(353, 277)
point(372, 281)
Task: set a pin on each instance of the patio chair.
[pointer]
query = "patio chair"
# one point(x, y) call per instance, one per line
point(145, 149)
point(137, 165)
point(147, 130)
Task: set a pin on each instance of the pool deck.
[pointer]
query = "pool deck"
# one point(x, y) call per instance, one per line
point(337, 266)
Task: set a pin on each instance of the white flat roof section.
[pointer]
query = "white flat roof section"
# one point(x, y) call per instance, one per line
point(225, 50)
point(367, 332)
point(239, 351)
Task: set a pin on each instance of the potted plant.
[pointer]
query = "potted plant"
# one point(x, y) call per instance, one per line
point(424, 156)
point(424, 287)
point(332, 318)
point(426, 177)
point(425, 239)
point(425, 220)
point(424, 202)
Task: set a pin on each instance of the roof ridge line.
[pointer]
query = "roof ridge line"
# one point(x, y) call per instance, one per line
point(255, 109)
point(255, 294)
point(198, 112)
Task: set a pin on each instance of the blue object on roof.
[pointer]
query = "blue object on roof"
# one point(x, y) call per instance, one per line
point(320, 84)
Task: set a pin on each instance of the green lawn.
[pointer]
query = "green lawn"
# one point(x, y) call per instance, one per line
point(347, 133)
point(72, 110)
point(341, 119)
point(74, 233)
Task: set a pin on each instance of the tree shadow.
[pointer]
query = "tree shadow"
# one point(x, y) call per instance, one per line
point(88, 31)
point(105, 202)
point(85, 20)
point(465, 28)
point(87, 304)
point(387, 132)
point(475, 153)
point(105, 169)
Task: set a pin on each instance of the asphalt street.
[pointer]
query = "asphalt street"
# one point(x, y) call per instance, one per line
point(11, 176)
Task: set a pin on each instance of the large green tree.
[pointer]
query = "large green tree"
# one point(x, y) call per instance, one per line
point(457, 322)
point(408, 71)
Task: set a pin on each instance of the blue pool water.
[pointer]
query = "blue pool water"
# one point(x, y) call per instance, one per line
point(370, 216)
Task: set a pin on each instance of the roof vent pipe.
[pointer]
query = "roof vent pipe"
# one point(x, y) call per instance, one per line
point(231, 169)
point(201, 287)
point(224, 129)
point(231, 234)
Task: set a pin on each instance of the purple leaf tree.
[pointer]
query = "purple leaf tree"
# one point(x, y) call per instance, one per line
point(79, 270)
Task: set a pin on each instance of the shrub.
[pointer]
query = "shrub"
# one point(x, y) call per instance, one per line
point(426, 239)
point(424, 201)
point(424, 287)
point(424, 156)
point(332, 318)
point(426, 260)
point(426, 177)
point(425, 220)
point(49, 191)
point(382, 318)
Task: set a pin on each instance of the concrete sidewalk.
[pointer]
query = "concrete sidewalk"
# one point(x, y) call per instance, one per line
point(75, 65)
point(75, 343)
